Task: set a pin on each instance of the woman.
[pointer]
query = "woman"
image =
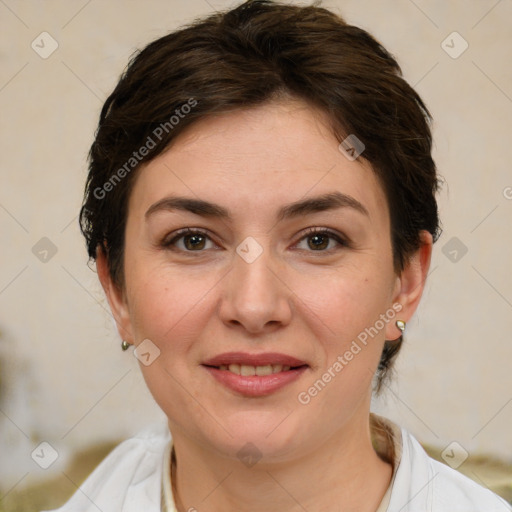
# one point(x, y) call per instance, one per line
point(261, 209)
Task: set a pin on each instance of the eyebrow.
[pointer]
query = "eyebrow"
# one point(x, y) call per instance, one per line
point(324, 202)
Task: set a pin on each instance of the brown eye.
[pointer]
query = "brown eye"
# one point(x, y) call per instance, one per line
point(192, 241)
point(319, 239)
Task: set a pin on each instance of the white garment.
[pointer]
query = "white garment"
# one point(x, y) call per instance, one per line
point(135, 477)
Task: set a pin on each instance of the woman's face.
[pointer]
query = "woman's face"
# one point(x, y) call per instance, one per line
point(255, 281)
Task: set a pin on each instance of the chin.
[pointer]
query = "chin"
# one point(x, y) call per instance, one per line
point(272, 435)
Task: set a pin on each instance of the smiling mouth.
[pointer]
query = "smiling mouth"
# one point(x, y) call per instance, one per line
point(258, 371)
point(255, 380)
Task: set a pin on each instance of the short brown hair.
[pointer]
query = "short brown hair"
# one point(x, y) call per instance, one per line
point(245, 57)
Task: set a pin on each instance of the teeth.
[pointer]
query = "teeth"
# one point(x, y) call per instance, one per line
point(247, 370)
point(234, 368)
point(264, 370)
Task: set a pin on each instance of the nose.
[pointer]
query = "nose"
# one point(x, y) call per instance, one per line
point(255, 296)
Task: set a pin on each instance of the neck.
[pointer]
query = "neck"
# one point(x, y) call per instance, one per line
point(343, 473)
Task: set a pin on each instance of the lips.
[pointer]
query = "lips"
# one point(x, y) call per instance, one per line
point(255, 375)
point(246, 359)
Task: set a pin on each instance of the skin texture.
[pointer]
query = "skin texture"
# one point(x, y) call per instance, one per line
point(295, 299)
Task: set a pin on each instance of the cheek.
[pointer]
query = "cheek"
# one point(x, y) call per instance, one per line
point(344, 303)
point(344, 315)
point(168, 306)
point(345, 320)
point(171, 309)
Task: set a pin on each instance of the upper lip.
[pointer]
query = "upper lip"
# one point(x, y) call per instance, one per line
point(263, 359)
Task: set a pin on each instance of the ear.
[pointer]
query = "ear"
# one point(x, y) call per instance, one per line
point(410, 284)
point(115, 296)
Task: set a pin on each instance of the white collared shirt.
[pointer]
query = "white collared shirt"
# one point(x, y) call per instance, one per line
point(135, 477)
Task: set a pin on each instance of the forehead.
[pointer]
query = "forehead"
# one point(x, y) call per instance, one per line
point(256, 160)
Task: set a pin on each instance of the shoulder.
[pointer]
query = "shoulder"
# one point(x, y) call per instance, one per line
point(128, 479)
point(424, 484)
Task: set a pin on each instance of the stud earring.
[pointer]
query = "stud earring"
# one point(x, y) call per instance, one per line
point(125, 345)
point(401, 325)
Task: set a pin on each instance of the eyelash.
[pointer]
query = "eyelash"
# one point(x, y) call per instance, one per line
point(309, 232)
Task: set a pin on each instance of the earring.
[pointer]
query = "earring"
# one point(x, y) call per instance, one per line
point(401, 325)
point(125, 345)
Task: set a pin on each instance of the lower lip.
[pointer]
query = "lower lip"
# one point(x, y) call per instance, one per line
point(256, 385)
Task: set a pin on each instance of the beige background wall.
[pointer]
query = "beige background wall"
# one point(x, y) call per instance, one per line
point(64, 379)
